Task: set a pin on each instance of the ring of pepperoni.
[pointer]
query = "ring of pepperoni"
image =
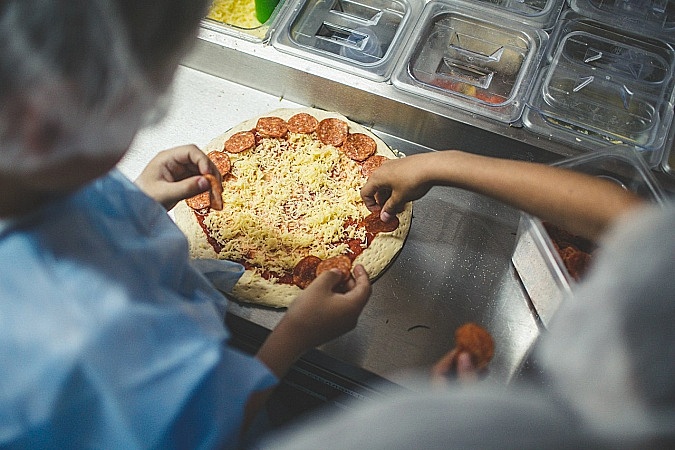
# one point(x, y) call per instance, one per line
point(291, 204)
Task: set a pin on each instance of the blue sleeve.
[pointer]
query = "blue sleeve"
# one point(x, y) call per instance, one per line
point(109, 338)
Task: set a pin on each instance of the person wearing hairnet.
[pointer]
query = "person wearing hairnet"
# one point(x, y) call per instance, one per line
point(109, 335)
point(607, 361)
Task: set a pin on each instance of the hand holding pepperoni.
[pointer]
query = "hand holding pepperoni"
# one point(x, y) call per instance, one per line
point(473, 351)
point(323, 311)
point(395, 183)
point(176, 174)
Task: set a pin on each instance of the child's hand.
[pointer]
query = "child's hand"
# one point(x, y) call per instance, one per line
point(323, 311)
point(327, 309)
point(395, 183)
point(177, 174)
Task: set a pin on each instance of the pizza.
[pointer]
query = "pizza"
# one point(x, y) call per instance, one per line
point(291, 205)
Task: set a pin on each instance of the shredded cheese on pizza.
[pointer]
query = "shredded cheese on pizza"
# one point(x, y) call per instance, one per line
point(286, 199)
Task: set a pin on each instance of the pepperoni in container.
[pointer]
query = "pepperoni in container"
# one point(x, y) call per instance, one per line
point(302, 123)
point(374, 224)
point(240, 142)
point(341, 262)
point(304, 271)
point(359, 146)
point(215, 193)
point(271, 127)
point(371, 164)
point(332, 131)
point(222, 161)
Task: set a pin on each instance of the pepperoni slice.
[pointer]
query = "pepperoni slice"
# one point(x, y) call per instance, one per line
point(240, 142)
point(341, 262)
point(355, 248)
point(302, 123)
point(199, 201)
point(375, 225)
point(477, 341)
point(359, 146)
point(332, 131)
point(272, 127)
point(222, 161)
point(215, 193)
point(304, 271)
point(371, 164)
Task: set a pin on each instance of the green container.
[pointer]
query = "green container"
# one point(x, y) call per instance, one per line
point(264, 9)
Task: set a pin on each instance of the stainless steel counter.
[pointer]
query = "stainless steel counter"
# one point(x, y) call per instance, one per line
point(455, 265)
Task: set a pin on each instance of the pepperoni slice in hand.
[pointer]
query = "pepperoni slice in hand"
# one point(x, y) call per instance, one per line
point(332, 131)
point(375, 225)
point(304, 271)
point(222, 161)
point(240, 142)
point(371, 164)
point(215, 193)
point(477, 341)
point(341, 262)
point(359, 146)
point(272, 127)
point(302, 123)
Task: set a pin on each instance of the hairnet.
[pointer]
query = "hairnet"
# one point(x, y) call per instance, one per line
point(80, 74)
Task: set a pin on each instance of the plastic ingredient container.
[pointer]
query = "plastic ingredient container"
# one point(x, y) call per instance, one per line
point(600, 86)
point(535, 257)
point(537, 13)
point(468, 58)
point(653, 18)
point(238, 18)
point(361, 37)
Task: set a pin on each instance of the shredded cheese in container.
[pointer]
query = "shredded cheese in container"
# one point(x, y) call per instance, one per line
point(239, 13)
point(288, 199)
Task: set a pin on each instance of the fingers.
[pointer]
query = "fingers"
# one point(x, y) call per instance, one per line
point(466, 370)
point(383, 198)
point(373, 195)
point(362, 287)
point(189, 160)
point(328, 280)
point(352, 293)
point(454, 364)
point(443, 368)
point(185, 188)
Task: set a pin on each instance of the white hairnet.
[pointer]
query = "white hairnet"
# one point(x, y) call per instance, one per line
point(76, 76)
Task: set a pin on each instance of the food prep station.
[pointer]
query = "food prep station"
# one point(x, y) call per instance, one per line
point(532, 80)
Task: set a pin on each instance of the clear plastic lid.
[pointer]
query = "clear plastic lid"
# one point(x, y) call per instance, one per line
point(467, 58)
point(653, 18)
point(361, 37)
point(600, 86)
point(537, 13)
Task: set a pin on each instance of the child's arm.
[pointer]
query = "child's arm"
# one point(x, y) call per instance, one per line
point(580, 203)
point(322, 312)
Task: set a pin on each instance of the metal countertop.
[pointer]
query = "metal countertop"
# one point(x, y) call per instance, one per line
point(454, 267)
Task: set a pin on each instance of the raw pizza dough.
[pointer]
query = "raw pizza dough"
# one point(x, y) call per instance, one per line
point(252, 287)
